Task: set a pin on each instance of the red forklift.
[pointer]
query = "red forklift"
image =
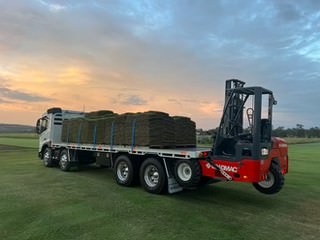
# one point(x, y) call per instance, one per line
point(244, 150)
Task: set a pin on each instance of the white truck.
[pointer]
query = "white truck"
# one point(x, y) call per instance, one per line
point(237, 155)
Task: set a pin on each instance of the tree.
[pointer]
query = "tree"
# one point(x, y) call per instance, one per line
point(300, 132)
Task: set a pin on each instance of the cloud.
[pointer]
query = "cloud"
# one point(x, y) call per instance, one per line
point(3, 101)
point(21, 96)
point(53, 6)
point(181, 51)
point(133, 100)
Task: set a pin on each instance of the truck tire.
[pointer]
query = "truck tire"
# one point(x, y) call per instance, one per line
point(188, 173)
point(273, 183)
point(64, 162)
point(124, 172)
point(47, 158)
point(152, 176)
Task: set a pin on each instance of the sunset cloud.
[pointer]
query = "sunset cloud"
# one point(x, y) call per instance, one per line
point(133, 100)
point(165, 55)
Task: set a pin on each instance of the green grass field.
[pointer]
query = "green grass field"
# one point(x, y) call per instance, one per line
point(42, 203)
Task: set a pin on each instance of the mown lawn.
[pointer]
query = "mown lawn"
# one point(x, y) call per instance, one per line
point(42, 203)
point(302, 140)
point(25, 140)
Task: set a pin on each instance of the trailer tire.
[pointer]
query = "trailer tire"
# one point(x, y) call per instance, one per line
point(152, 176)
point(124, 172)
point(47, 158)
point(64, 162)
point(188, 173)
point(273, 183)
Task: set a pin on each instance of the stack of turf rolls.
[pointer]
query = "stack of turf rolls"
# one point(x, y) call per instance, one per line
point(96, 126)
point(91, 129)
point(153, 129)
point(119, 130)
point(71, 129)
point(185, 131)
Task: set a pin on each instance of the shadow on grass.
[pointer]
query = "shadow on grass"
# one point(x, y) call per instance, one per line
point(228, 196)
point(4, 147)
point(237, 195)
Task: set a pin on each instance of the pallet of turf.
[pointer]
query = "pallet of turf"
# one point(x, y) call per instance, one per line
point(185, 131)
point(153, 129)
point(92, 131)
point(96, 127)
point(72, 130)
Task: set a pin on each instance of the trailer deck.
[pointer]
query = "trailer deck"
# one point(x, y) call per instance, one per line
point(179, 153)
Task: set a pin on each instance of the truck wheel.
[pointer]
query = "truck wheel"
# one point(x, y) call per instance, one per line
point(64, 162)
point(273, 183)
point(152, 176)
point(188, 173)
point(123, 171)
point(47, 157)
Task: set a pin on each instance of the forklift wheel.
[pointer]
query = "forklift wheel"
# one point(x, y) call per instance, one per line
point(187, 173)
point(273, 183)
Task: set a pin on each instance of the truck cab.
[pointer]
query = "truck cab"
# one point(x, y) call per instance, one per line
point(49, 127)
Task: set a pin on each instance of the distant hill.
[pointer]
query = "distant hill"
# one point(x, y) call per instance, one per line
point(15, 128)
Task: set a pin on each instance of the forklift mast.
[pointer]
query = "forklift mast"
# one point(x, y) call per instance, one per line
point(235, 140)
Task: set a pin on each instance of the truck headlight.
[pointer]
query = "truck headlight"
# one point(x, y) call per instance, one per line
point(264, 151)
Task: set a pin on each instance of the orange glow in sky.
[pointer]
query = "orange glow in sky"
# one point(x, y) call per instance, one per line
point(129, 56)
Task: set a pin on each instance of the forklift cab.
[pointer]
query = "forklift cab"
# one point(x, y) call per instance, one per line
point(245, 128)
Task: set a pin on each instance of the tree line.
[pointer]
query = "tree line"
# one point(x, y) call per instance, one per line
point(206, 136)
point(299, 131)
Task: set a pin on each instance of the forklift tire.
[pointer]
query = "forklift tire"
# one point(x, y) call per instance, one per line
point(47, 158)
point(64, 162)
point(123, 171)
point(273, 183)
point(188, 173)
point(153, 176)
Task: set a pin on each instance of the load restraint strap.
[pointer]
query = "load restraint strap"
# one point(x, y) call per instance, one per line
point(68, 133)
point(112, 135)
point(79, 133)
point(133, 133)
point(95, 135)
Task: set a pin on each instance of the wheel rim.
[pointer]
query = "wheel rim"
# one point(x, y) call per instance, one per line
point(184, 172)
point(151, 176)
point(123, 171)
point(268, 182)
point(63, 160)
point(46, 157)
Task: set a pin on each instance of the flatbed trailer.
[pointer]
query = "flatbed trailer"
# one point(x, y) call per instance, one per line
point(239, 154)
point(180, 153)
point(105, 156)
point(125, 160)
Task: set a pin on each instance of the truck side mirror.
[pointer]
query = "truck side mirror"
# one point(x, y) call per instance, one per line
point(38, 128)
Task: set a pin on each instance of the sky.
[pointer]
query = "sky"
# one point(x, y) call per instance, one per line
point(166, 55)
